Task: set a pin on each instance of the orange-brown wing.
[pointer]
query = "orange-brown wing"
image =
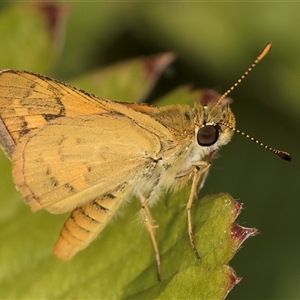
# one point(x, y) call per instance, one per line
point(29, 101)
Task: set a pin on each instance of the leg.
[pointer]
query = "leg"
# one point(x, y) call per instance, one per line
point(198, 174)
point(151, 229)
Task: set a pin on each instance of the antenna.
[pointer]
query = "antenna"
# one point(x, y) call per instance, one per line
point(263, 53)
point(282, 154)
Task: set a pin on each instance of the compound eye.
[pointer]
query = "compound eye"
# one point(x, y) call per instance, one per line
point(207, 135)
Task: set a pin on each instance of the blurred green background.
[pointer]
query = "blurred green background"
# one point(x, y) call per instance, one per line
point(214, 44)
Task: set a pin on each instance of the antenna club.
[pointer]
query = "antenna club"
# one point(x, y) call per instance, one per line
point(281, 154)
point(265, 51)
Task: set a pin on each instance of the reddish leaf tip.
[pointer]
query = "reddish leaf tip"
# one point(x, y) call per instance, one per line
point(211, 96)
point(54, 15)
point(240, 233)
point(238, 207)
point(233, 281)
point(155, 64)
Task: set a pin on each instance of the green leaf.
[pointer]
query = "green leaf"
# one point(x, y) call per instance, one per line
point(120, 263)
point(184, 275)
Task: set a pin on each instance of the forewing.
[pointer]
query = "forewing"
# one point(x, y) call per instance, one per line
point(74, 160)
point(29, 101)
